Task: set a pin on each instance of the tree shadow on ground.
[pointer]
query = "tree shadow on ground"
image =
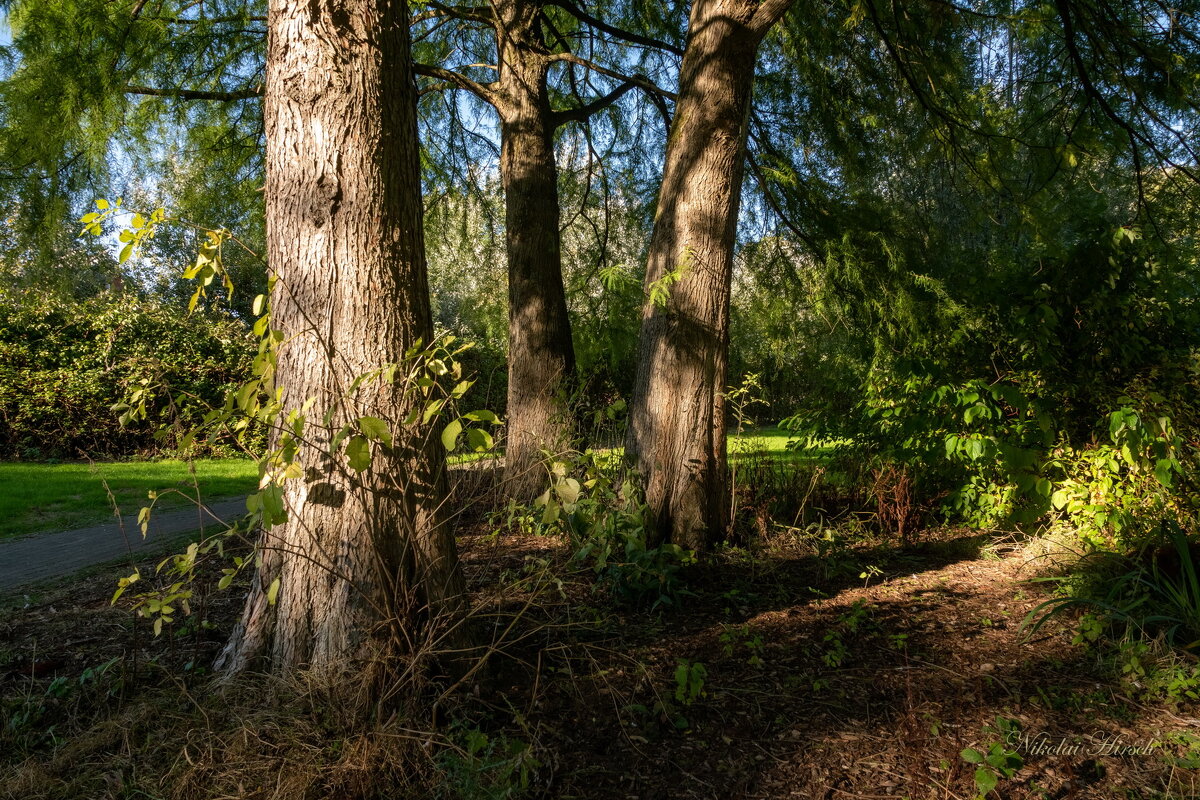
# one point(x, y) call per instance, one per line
point(816, 686)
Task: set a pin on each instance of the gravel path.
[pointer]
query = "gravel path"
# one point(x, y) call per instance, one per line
point(53, 555)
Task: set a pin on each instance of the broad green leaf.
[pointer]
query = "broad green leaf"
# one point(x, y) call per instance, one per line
point(1162, 471)
point(271, 498)
point(358, 451)
point(567, 491)
point(951, 445)
point(273, 592)
point(550, 513)
point(975, 448)
point(985, 780)
point(479, 440)
point(375, 429)
point(450, 434)
point(432, 409)
point(972, 756)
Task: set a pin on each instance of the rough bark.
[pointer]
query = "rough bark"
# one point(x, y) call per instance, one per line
point(541, 355)
point(364, 559)
point(677, 416)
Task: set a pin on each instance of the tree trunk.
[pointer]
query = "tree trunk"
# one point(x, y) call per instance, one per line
point(541, 355)
point(677, 417)
point(364, 558)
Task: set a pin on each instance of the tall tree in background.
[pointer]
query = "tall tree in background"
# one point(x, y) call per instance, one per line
point(362, 555)
point(541, 355)
point(193, 72)
point(677, 417)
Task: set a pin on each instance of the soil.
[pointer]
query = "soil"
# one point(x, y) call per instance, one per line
point(863, 673)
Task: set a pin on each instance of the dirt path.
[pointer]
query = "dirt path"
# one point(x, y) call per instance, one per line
point(53, 555)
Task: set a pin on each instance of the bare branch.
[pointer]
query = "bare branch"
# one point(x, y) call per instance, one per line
point(581, 113)
point(482, 91)
point(628, 36)
point(483, 14)
point(641, 81)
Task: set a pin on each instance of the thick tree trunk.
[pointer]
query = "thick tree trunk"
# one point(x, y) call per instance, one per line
point(541, 355)
point(363, 557)
point(677, 417)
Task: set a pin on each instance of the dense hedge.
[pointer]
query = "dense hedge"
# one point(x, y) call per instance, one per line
point(64, 363)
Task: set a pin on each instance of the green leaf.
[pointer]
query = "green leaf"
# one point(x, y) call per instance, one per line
point(271, 498)
point(567, 491)
point(450, 435)
point(273, 592)
point(975, 449)
point(550, 512)
point(479, 440)
point(358, 451)
point(985, 780)
point(225, 581)
point(431, 410)
point(482, 416)
point(102, 204)
point(972, 756)
point(1162, 471)
point(375, 429)
point(951, 445)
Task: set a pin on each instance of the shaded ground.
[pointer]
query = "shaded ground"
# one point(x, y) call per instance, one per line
point(814, 686)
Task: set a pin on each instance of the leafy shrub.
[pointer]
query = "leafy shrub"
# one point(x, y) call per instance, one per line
point(482, 767)
point(64, 364)
point(605, 521)
point(1154, 591)
point(1047, 379)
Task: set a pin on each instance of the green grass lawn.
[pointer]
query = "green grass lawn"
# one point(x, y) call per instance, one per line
point(39, 497)
point(772, 443)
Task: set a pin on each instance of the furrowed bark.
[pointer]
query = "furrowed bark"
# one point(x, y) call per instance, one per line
point(365, 560)
point(677, 425)
point(541, 355)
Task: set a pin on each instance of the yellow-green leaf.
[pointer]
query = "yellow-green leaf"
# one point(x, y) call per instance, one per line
point(450, 434)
